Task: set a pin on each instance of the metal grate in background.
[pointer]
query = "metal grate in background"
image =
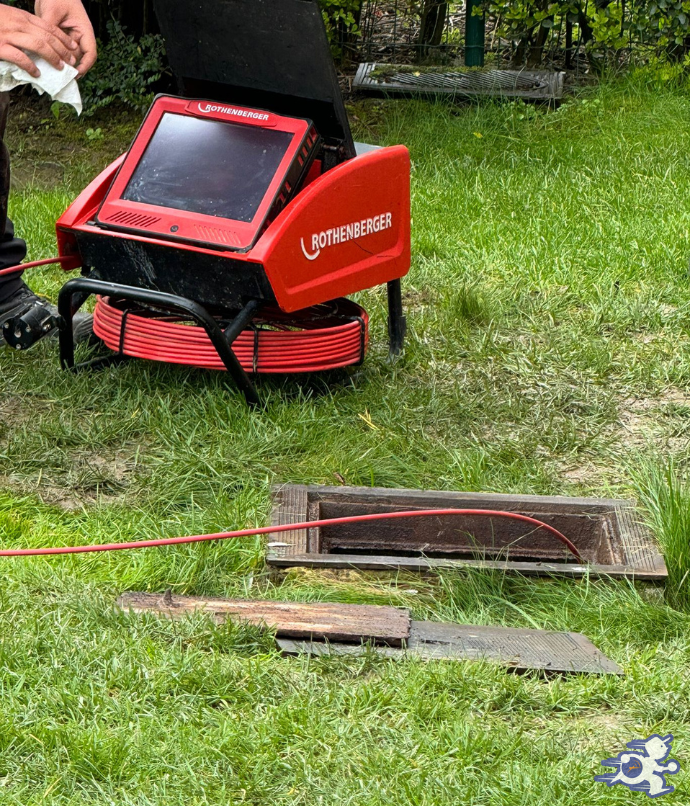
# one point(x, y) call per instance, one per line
point(545, 85)
point(518, 649)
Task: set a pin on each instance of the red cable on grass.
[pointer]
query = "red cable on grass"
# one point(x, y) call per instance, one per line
point(309, 348)
point(34, 263)
point(291, 527)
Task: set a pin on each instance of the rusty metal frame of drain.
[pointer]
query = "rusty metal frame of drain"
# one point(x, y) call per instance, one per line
point(607, 532)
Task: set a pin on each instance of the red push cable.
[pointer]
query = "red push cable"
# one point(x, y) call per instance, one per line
point(34, 263)
point(291, 527)
point(310, 349)
point(318, 338)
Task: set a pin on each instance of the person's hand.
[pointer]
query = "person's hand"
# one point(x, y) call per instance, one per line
point(71, 18)
point(21, 31)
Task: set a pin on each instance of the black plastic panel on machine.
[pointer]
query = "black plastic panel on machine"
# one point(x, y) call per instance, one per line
point(209, 279)
point(258, 53)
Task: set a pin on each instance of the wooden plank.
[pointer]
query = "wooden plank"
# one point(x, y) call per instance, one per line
point(317, 620)
point(290, 505)
point(382, 562)
point(519, 649)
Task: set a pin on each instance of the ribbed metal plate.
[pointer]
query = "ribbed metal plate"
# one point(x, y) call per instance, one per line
point(516, 648)
point(536, 84)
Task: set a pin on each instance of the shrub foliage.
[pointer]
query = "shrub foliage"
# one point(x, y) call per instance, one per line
point(125, 71)
point(132, 54)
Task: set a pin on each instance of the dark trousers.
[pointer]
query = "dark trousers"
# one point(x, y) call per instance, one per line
point(12, 250)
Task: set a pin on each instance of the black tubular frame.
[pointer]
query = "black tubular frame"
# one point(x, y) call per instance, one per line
point(82, 288)
point(86, 286)
point(397, 323)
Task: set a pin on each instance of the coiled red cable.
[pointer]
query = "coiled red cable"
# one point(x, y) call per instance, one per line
point(320, 338)
point(328, 336)
point(291, 527)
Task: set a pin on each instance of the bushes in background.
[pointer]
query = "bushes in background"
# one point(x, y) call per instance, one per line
point(125, 71)
point(610, 32)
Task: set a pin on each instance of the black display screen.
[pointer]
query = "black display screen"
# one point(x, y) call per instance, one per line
point(208, 167)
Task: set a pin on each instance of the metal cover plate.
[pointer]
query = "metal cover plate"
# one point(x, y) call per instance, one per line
point(519, 649)
point(537, 84)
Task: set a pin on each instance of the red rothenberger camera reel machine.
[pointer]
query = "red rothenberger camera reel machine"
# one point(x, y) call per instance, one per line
point(230, 233)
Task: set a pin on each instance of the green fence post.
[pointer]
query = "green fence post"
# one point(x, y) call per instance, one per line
point(474, 35)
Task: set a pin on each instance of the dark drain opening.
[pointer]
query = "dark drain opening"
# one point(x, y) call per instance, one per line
point(465, 537)
point(465, 553)
point(459, 555)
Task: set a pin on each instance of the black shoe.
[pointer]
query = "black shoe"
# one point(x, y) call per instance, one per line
point(26, 318)
point(23, 298)
point(82, 329)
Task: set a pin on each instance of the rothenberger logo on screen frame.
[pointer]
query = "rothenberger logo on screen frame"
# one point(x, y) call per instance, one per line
point(209, 109)
point(347, 232)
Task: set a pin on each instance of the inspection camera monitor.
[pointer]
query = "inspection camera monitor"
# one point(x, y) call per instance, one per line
point(231, 233)
point(209, 173)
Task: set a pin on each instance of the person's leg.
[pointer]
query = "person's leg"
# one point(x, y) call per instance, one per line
point(12, 250)
point(16, 298)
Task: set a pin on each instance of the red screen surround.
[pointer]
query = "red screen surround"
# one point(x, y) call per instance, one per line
point(208, 172)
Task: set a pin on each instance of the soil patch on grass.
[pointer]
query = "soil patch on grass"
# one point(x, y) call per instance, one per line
point(47, 151)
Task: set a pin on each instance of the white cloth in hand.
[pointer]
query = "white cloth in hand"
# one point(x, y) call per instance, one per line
point(61, 85)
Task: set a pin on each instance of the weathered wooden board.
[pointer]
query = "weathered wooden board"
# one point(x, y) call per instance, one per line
point(313, 620)
point(518, 649)
point(384, 562)
point(608, 533)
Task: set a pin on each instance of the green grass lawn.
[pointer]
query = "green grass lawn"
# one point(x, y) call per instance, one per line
point(548, 352)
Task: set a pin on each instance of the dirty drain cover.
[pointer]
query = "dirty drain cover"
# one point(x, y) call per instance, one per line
point(491, 80)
